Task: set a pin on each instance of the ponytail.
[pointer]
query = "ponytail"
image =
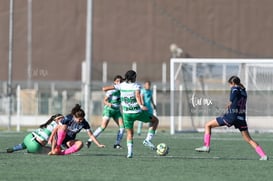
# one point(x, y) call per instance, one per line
point(52, 118)
point(77, 111)
point(236, 80)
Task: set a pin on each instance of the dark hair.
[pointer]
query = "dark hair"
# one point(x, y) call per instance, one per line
point(118, 77)
point(50, 120)
point(130, 76)
point(77, 111)
point(236, 80)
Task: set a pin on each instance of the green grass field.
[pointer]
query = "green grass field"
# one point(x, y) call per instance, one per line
point(230, 159)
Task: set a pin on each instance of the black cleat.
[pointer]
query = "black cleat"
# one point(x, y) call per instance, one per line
point(88, 144)
point(117, 146)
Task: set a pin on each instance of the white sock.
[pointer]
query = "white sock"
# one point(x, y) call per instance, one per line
point(96, 133)
point(130, 147)
point(150, 135)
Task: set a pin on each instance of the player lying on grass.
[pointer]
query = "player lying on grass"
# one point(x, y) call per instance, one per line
point(64, 136)
point(133, 109)
point(35, 140)
point(235, 115)
point(111, 110)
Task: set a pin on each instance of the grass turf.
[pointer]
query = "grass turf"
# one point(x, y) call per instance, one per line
point(230, 159)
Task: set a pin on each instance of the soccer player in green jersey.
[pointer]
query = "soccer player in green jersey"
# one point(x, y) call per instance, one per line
point(133, 109)
point(35, 140)
point(111, 110)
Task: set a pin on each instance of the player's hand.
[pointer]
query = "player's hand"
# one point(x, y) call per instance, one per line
point(144, 108)
point(101, 146)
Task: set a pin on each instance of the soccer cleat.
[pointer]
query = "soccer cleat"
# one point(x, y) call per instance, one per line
point(117, 146)
point(264, 158)
point(149, 144)
point(88, 144)
point(10, 150)
point(130, 155)
point(203, 149)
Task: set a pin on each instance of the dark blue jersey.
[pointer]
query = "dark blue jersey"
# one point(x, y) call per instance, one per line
point(237, 108)
point(74, 127)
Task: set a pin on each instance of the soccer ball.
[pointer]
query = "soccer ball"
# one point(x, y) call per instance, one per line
point(162, 149)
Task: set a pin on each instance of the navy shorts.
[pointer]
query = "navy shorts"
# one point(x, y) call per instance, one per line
point(238, 123)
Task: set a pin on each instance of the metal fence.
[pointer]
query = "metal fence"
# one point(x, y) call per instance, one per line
point(33, 106)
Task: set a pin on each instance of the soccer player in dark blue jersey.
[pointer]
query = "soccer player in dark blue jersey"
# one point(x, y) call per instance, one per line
point(235, 116)
point(66, 133)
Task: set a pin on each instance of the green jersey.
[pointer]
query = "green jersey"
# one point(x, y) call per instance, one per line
point(44, 133)
point(128, 99)
point(113, 98)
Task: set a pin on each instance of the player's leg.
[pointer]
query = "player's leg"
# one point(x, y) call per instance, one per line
point(130, 142)
point(61, 134)
point(73, 147)
point(20, 146)
point(106, 116)
point(99, 130)
point(104, 124)
point(119, 121)
point(254, 145)
point(207, 135)
point(128, 120)
point(17, 147)
point(151, 131)
point(139, 128)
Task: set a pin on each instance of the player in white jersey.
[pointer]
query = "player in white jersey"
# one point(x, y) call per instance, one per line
point(35, 140)
point(133, 109)
point(111, 110)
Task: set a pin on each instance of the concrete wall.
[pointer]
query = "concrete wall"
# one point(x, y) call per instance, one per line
point(128, 30)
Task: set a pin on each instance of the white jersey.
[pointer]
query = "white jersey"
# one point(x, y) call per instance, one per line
point(44, 133)
point(128, 97)
point(51, 126)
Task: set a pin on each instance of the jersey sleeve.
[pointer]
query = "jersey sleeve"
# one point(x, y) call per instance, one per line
point(233, 94)
point(66, 120)
point(117, 86)
point(138, 86)
point(109, 93)
point(86, 124)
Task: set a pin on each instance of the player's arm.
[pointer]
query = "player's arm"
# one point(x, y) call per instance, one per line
point(139, 100)
point(106, 101)
point(94, 139)
point(228, 105)
point(153, 103)
point(53, 133)
point(106, 88)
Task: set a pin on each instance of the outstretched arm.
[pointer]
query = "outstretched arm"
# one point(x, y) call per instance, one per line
point(94, 139)
point(106, 88)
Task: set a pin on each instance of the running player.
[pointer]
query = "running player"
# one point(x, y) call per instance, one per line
point(111, 110)
point(133, 109)
point(147, 99)
point(34, 141)
point(235, 115)
point(66, 133)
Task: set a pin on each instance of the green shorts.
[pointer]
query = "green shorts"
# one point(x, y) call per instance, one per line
point(32, 145)
point(112, 113)
point(129, 119)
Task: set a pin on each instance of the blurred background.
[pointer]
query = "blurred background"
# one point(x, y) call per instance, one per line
point(53, 51)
